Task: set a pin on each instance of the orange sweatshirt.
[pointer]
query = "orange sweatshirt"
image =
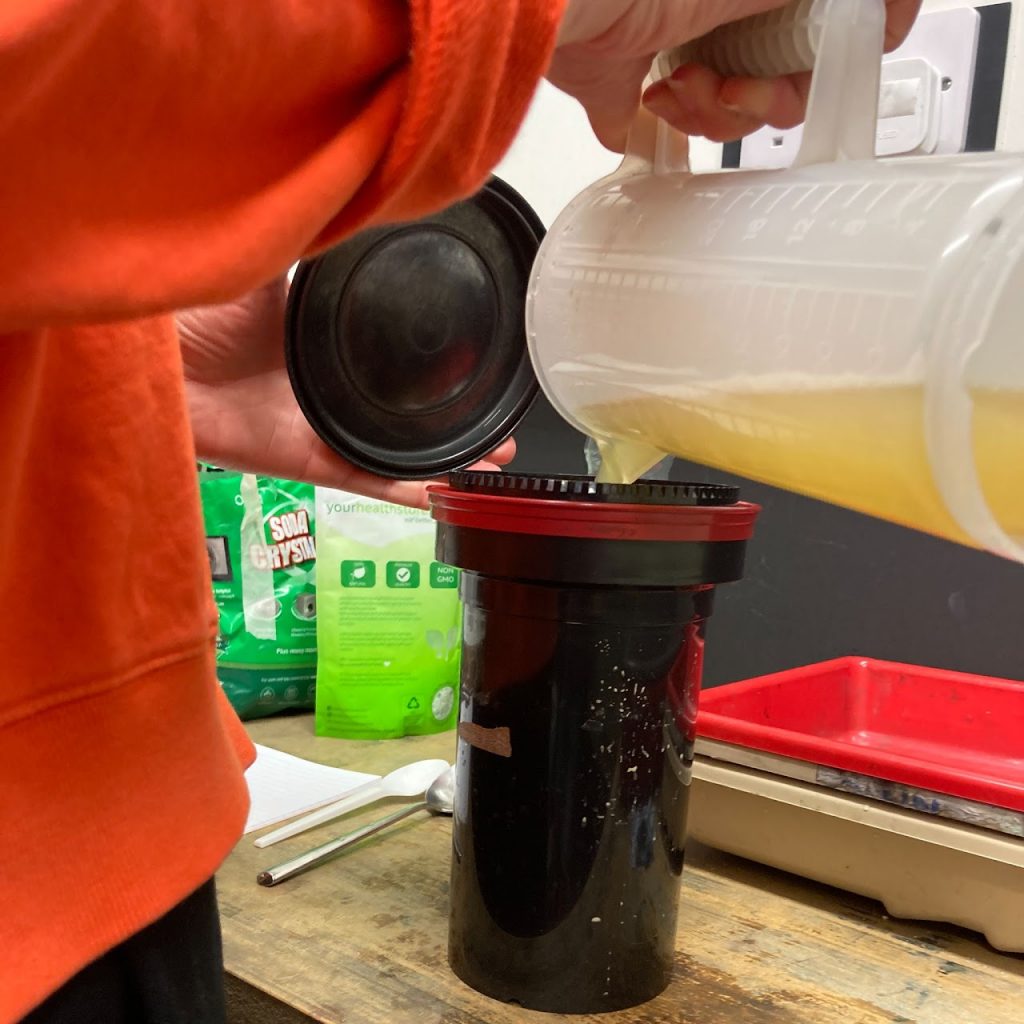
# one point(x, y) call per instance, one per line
point(159, 155)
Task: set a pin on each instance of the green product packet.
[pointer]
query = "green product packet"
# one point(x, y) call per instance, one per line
point(260, 539)
point(389, 623)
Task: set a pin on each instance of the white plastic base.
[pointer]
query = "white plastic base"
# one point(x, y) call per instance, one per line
point(919, 867)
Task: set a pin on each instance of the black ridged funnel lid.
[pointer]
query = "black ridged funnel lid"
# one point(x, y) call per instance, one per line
point(586, 489)
point(406, 345)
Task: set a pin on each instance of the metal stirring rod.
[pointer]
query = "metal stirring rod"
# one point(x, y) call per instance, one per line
point(438, 799)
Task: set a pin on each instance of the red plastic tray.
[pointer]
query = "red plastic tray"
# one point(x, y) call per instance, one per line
point(952, 733)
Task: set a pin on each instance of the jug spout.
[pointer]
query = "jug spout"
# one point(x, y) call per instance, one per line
point(624, 461)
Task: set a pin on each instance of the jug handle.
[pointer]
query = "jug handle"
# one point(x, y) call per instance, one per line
point(654, 146)
point(842, 109)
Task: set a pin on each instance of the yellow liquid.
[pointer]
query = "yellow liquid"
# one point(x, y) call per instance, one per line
point(863, 448)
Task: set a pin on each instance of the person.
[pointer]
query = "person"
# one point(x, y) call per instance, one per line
point(162, 157)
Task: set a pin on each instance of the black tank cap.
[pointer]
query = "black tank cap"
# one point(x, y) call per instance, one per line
point(406, 345)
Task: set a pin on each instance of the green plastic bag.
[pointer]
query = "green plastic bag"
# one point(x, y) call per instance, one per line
point(260, 539)
point(389, 622)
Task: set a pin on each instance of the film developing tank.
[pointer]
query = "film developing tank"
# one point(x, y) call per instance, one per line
point(583, 640)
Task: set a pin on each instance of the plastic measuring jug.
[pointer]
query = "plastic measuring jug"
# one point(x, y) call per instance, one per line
point(848, 328)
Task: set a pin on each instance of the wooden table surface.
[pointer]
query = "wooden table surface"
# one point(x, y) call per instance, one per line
point(362, 940)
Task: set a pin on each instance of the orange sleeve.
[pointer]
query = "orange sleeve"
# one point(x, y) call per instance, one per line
point(163, 154)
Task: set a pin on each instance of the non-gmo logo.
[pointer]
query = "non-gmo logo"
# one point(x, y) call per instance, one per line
point(443, 577)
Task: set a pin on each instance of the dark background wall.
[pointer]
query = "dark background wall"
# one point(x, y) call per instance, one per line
point(824, 582)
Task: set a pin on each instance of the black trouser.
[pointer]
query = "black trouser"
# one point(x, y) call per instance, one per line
point(169, 973)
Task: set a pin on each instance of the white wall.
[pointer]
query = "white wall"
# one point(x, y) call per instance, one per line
point(1011, 113)
point(555, 155)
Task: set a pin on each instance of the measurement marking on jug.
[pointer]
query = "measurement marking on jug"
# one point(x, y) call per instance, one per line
point(807, 191)
point(830, 313)
point(856, 195)
point(767, 191)
point(800, 230)
point(912, 194)
point(825, 198)
point(783, 193)
point(941, 191)
point(881, 195)
point(740, 195)
point(754, 228)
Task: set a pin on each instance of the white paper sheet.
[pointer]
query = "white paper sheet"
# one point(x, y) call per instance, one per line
point(282, 786)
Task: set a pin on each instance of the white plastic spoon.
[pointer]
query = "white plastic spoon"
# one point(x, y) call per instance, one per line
point(409, 780)
point(438, 799)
